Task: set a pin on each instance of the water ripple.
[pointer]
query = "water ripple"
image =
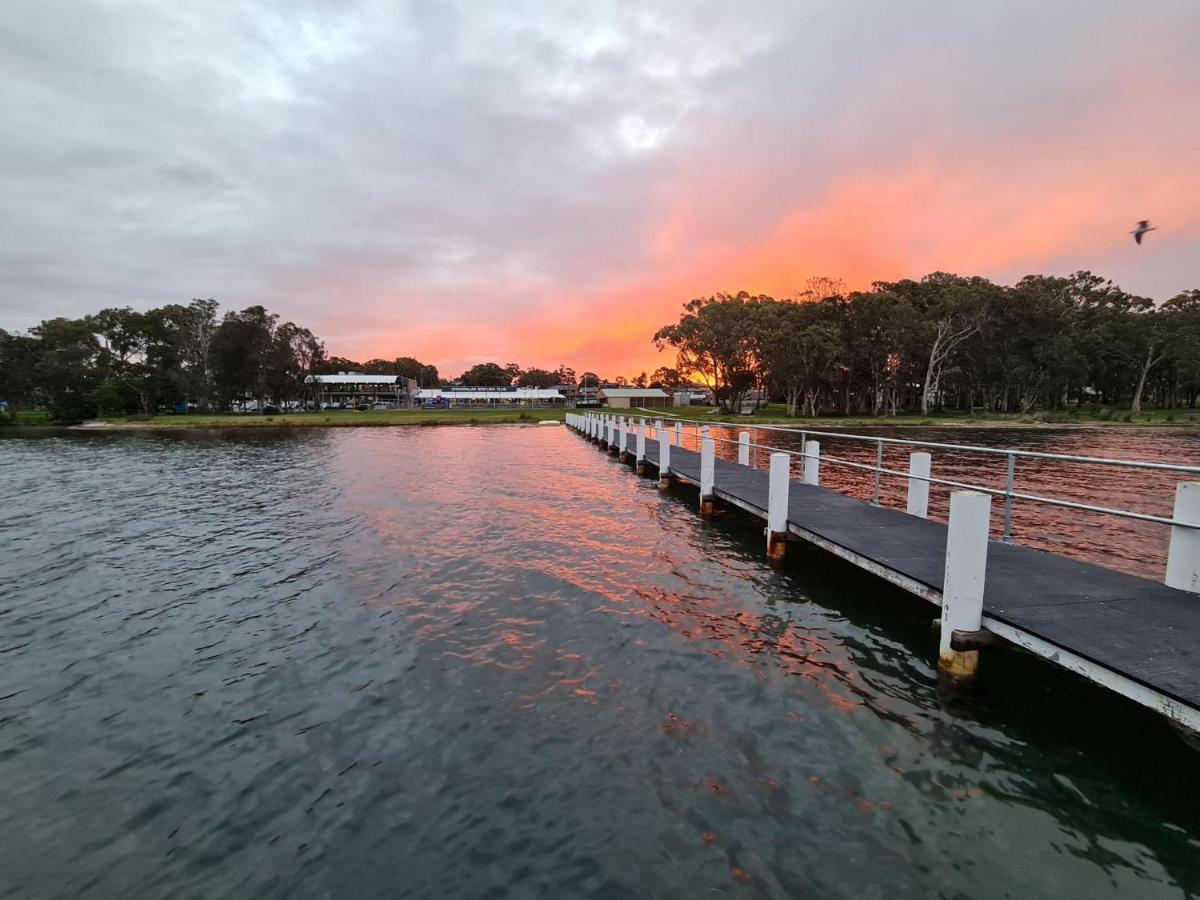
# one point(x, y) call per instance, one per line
point(380, 662)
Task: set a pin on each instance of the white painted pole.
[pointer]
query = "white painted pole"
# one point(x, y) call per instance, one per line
point(664, 458)
point(918, 485)
point(622, 436)
point(966, 569)
point(678, 434)
point(707, 471)
point(744, 448)
point(777, 503)
point(640, 458)
point(812, 462)
point(1183, 554)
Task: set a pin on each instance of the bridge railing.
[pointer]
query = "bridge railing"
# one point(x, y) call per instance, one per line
point(1184, 551)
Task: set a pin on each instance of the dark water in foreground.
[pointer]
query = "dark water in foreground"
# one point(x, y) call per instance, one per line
point(489, 662)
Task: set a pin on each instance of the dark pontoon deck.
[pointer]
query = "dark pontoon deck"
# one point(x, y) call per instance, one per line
point(1135, 636)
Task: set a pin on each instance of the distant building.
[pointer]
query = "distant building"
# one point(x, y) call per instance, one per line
point(623, 398)
point(588, 395)
point(351, 389)
point(569, 391)
point(461, 396)
point(691, 397)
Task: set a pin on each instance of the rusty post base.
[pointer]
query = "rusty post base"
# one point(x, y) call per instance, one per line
point(625, 457)
point(958, 664)
point(776, 546)
point(640, 468)
point(706, 506)
point(664, 482)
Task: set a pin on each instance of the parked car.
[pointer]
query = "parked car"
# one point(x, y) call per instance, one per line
point(269, 410)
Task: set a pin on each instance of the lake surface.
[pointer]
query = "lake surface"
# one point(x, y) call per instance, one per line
point(491, 662)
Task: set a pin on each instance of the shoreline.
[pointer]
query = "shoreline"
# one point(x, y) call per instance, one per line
point(443, 418)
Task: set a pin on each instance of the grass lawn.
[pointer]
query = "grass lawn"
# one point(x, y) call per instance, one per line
point(26, 417)
point(773, 414)
point(345, 418)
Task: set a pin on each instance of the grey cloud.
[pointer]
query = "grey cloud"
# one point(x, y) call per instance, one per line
point(435, 159)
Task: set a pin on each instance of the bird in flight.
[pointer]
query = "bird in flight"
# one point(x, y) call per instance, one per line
point(1143, 226)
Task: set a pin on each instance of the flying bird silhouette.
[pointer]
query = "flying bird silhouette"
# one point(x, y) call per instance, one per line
point(1143, 226)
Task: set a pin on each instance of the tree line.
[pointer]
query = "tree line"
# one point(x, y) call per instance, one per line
point(944, 342)
point(124, 362)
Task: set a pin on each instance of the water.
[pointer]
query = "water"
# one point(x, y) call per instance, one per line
point(489, 662)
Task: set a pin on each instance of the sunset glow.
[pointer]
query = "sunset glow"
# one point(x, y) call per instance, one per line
point(547, 188)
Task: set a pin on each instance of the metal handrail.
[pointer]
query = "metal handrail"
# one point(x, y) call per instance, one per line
point(1009, 493)
point(970, 448)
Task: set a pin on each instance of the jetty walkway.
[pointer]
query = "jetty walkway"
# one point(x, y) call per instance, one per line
point(1137, 637)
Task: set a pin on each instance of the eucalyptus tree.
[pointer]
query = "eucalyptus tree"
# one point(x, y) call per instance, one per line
point(714, 339)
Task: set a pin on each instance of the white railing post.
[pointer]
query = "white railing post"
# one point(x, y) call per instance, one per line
point(678, 434)
point(918, 484)
point(1183, 554)
point(744, 448)
point(707, 470)
point(622, 438)
point(640, 457)
point(812, 462)
point(664, 458)
point(777, 504)
point(966, 569)
point(612, 435)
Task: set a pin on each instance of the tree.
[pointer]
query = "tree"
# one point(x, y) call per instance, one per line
point(538, 378)
point(566, 375)
point(950, 309)
point(666, 379)
point(242, 349)
point(797, 347)
point(1181, 331)
point(18, 379)
point(196, 332)
point(294, 357)
point(714, 339)
point(640, 381)
point(424, 375)
point(66, 370)
point(487, 375)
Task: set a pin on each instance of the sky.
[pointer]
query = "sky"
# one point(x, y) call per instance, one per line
point(547, 183)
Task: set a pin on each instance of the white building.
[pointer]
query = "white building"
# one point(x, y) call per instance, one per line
point(624, 398)
point(490, 397)
point(352, 389)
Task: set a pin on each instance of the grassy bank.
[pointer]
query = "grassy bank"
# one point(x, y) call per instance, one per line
point(345, 419)
point(774, 414)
